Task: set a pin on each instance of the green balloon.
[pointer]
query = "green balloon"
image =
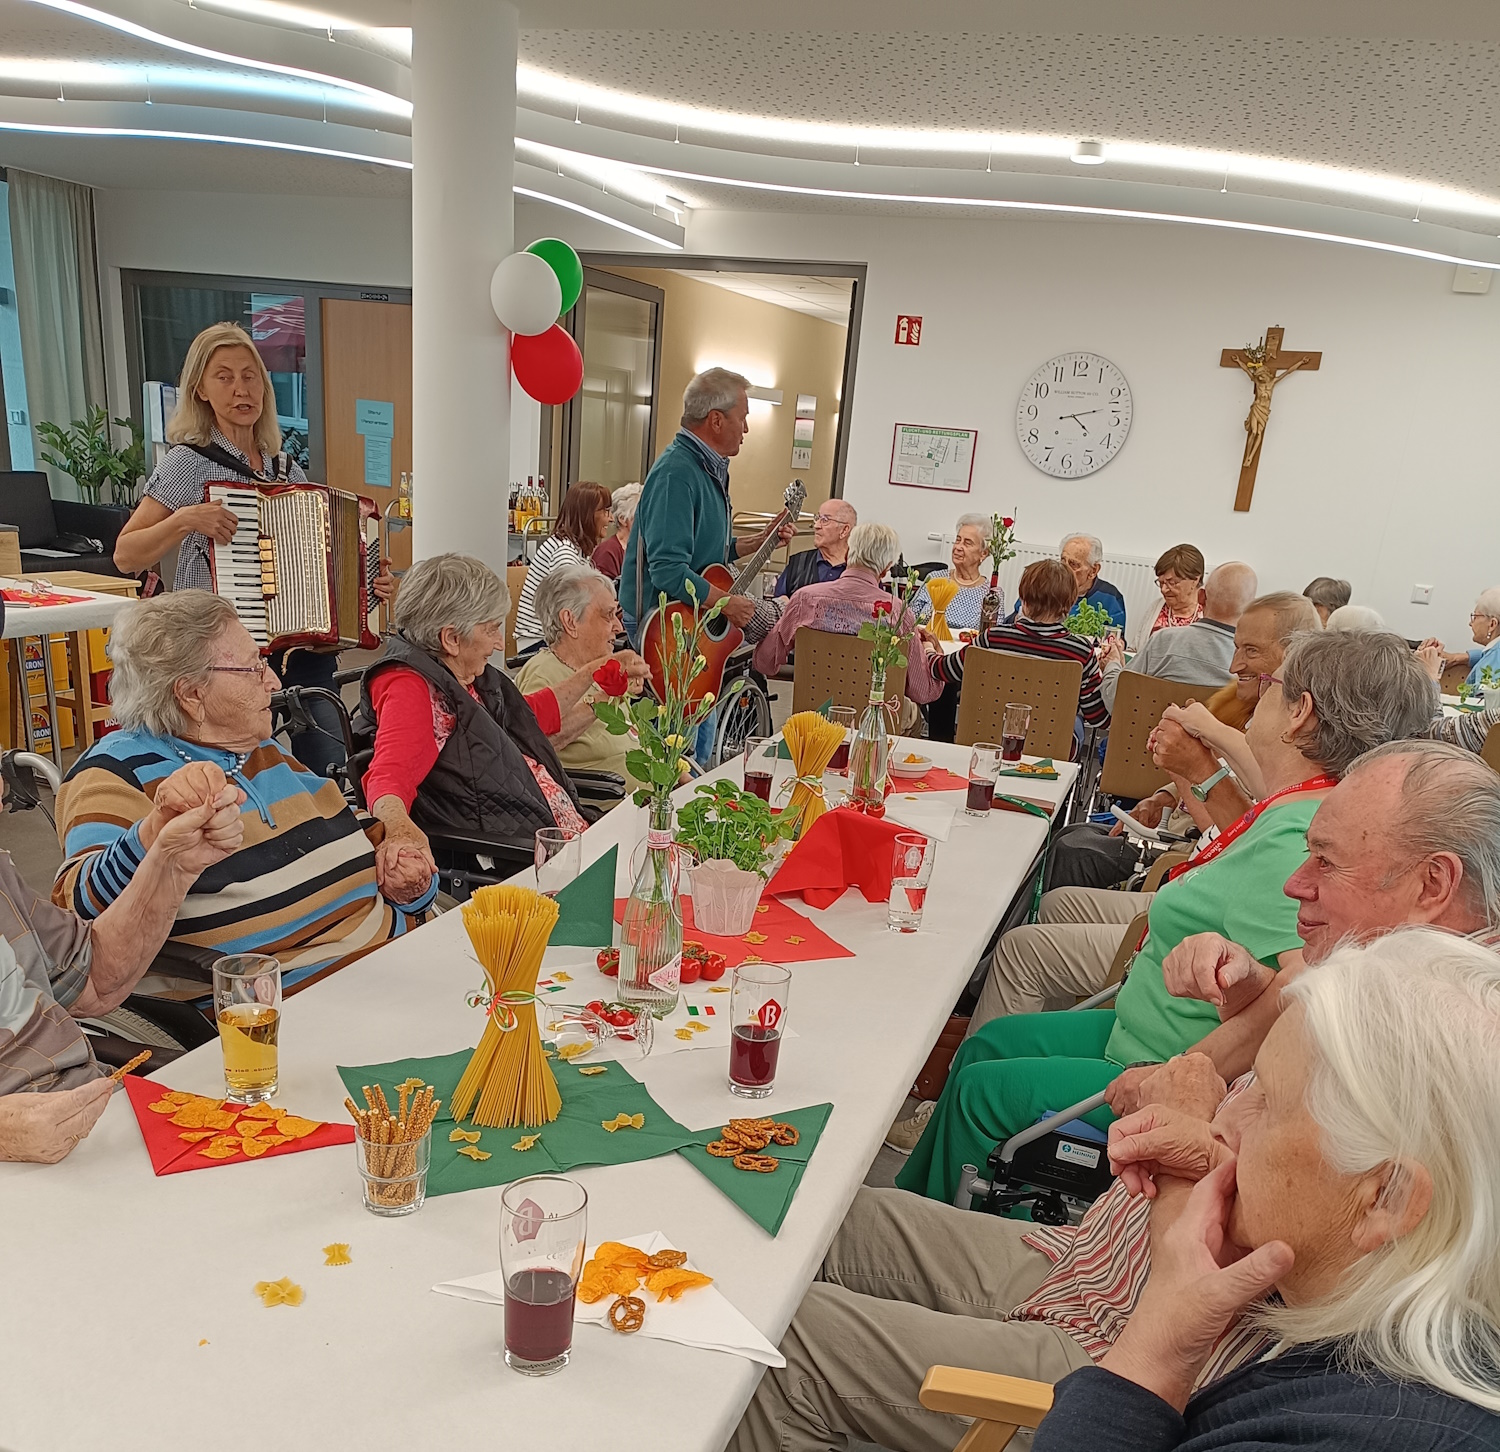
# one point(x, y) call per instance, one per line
point(563, 260)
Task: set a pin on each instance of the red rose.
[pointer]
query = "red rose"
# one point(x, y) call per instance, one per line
point(1007, 522)
point(611, 678)
point(880, 607)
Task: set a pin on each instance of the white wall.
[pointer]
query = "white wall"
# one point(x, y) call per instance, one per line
point(1381, 468)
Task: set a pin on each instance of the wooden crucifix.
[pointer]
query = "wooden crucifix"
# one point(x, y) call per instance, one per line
point(1266, 365)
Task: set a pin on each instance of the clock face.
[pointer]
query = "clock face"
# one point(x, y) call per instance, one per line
point(1074, 415)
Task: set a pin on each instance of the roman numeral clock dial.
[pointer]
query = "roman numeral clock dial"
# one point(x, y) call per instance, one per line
point(1074, 415)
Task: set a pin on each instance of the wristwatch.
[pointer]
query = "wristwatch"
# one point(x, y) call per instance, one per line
point(1203, 788)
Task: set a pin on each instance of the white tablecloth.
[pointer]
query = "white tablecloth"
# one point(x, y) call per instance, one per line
point(90, 614)
point(129, 1320)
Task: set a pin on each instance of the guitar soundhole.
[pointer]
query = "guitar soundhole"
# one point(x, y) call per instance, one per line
point(717, 628)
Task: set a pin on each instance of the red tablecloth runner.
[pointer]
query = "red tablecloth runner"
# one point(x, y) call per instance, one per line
point(780, 935)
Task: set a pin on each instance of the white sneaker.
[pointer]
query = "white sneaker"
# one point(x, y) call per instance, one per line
point(906, 1132)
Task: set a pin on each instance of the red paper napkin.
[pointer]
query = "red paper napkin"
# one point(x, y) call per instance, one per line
point(842, 849)
point(780, 935)
point(939, 779)
point(171, 1153)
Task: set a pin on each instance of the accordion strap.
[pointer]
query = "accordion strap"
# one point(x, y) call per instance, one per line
point(218, 455)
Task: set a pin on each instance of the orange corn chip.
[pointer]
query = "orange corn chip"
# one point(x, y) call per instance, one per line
point(163, 1106)
point(193, 1135)
point(613, 1252)
point(262, 1111)
point(220, 1118)
point(192, 1116)
point(249, 1129)
point(273, 1139)
point(294, 1127)
point(254, 1148)
point(670, 1284)
point(220, 1151)
point(599, 1281)
point(179, 1096)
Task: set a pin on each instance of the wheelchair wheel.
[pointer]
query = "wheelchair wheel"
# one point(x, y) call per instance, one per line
point(746, 712)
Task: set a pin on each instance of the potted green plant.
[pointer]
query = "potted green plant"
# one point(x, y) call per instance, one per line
point(734, 836)
point(83, 451)
point(1090, 621)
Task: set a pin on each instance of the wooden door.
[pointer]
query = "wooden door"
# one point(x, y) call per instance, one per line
point(367, 356)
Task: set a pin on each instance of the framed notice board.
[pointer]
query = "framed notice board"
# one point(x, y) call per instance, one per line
point(923, 457)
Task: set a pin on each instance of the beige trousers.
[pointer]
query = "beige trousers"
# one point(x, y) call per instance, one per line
point(1063, 956)
point(907, 1284)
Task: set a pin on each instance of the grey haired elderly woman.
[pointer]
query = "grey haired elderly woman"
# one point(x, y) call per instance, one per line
point(458, 748)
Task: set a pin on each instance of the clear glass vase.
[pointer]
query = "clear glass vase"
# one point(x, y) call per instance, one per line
point(991, 607)
point(651, 933)
point(870, 751)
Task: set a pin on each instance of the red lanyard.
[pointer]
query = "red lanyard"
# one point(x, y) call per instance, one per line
point(1231, 834)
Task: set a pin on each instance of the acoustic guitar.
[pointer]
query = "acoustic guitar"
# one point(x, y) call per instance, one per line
point(721, 636)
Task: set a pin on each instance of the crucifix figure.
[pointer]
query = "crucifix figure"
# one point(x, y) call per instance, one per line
point(1265, 365)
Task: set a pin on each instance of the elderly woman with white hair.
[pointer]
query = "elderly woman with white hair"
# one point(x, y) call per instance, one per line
point(1484, 622)
point(970, 545)
point(841, 606)
point(310, 882)
point(609, 557)
point(458, 748)
point(1354, 617)
point(580, 618)
point(1352, 1212)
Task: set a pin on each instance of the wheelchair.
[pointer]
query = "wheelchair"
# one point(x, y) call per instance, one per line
point(744, 708)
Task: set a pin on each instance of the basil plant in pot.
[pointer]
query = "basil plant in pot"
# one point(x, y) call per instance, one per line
point(735, 838)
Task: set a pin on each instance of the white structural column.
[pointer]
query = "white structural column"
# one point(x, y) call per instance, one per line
point(462, 224)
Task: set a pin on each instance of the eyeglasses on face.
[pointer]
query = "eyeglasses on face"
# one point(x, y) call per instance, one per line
point(1264, 683)
point(255, 670)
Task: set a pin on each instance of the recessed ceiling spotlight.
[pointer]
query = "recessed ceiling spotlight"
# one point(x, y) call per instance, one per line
point(1088, 153)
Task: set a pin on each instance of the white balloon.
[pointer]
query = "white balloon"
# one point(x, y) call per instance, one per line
point(525, 293)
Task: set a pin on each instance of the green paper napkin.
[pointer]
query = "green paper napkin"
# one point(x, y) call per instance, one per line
point(586, 907)
point(764, 1198)
point(577, 1137)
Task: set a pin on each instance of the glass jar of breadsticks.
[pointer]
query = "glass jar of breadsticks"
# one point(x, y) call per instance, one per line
point(393, 1147)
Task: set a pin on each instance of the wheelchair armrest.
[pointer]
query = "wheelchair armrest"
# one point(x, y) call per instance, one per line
point(604, 786)
point(1045, 1126)
point(512, 851)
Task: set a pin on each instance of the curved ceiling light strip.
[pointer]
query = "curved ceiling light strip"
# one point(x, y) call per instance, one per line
point(1373, 186)
point(1128, 214)
point(378, 99)
point(597, 216)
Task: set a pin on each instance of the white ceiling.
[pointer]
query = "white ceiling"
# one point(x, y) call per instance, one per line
point(820, 297)
point(1347, 118)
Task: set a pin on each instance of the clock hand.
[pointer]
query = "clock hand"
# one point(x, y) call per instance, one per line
point(1077, 420)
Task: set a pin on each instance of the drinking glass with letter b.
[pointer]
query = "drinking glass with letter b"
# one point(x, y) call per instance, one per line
point(543, 1229)
point(984, 767)
point(911, 871)
point(757, 1017)
point(247, 1010)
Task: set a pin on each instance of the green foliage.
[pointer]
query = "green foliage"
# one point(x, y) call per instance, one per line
point(1001, 545)
point(665, 729)
point(1488, 677)
point(722, 821)
point(83, 451)
point(1090, 621)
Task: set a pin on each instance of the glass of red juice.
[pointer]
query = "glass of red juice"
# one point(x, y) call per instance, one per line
point(760, 765)
point(757, 1018)
point(841, 716)
point(543, 1231)
point(1014, 725)
point(984, 767)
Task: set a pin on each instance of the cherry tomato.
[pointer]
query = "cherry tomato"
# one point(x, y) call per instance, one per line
point(714, 968)
point(609, 962)
point(620, 1018)
point(595, 1006)
point(691, 968)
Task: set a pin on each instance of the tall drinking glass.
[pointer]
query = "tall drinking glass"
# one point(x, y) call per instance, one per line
point(247, 1009)
point(757, 1015)
point(543, 1229)
point(559, 859)
point(984, 767)
point(760, 765)
point(1013, 728)
point(911, 871)
point(841, 716)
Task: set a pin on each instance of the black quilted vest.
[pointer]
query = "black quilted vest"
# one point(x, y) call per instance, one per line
point(480, 784)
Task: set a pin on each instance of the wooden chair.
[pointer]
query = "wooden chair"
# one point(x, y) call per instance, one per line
point(836, 668)
point(515, 582)
point(1139, 703)
point(1000, 1405)
point(1453, 677)
point(1157, 873)
point(1490, 751)
point(1049, 687)
point(1123, 954)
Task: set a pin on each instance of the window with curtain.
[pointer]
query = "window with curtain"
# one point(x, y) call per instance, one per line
point(57, 299)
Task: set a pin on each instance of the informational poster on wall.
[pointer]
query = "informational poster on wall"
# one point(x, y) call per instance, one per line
point(923, 457)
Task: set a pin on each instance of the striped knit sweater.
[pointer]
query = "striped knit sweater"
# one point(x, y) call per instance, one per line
point(1049, 642)
point(301, 887)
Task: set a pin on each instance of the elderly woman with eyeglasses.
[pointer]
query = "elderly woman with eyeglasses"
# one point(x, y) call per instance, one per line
point(1484, 623)
point(1334, 697)
point(311, 883)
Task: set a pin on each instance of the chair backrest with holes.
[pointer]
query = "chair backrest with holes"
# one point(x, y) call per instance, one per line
point(836, 668)
point(1139, 701)
point(1049, 687)
point(1490, 751)
point(515, 582)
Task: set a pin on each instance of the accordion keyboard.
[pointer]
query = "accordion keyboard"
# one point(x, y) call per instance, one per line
point(239, 573)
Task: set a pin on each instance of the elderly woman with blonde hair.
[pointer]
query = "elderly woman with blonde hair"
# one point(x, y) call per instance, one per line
point(310, 883)
point(1351, 1211)
point(459, 750)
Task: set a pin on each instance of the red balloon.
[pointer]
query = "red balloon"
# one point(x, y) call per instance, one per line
point(547, 365)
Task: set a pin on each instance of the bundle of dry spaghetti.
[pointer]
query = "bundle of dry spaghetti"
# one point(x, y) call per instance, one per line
point(509, 1075)
point(940, 590)
point(812, 740)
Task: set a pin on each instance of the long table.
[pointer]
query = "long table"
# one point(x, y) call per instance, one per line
point(129, 1320)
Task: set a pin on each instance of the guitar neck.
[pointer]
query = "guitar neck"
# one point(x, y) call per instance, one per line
point(751, 567)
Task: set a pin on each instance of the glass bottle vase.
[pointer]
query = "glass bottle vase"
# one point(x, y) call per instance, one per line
point(651, 933)
point(991, 607)
point(870, 751)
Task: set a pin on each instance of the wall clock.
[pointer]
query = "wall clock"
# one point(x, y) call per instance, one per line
point(1074, 415)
